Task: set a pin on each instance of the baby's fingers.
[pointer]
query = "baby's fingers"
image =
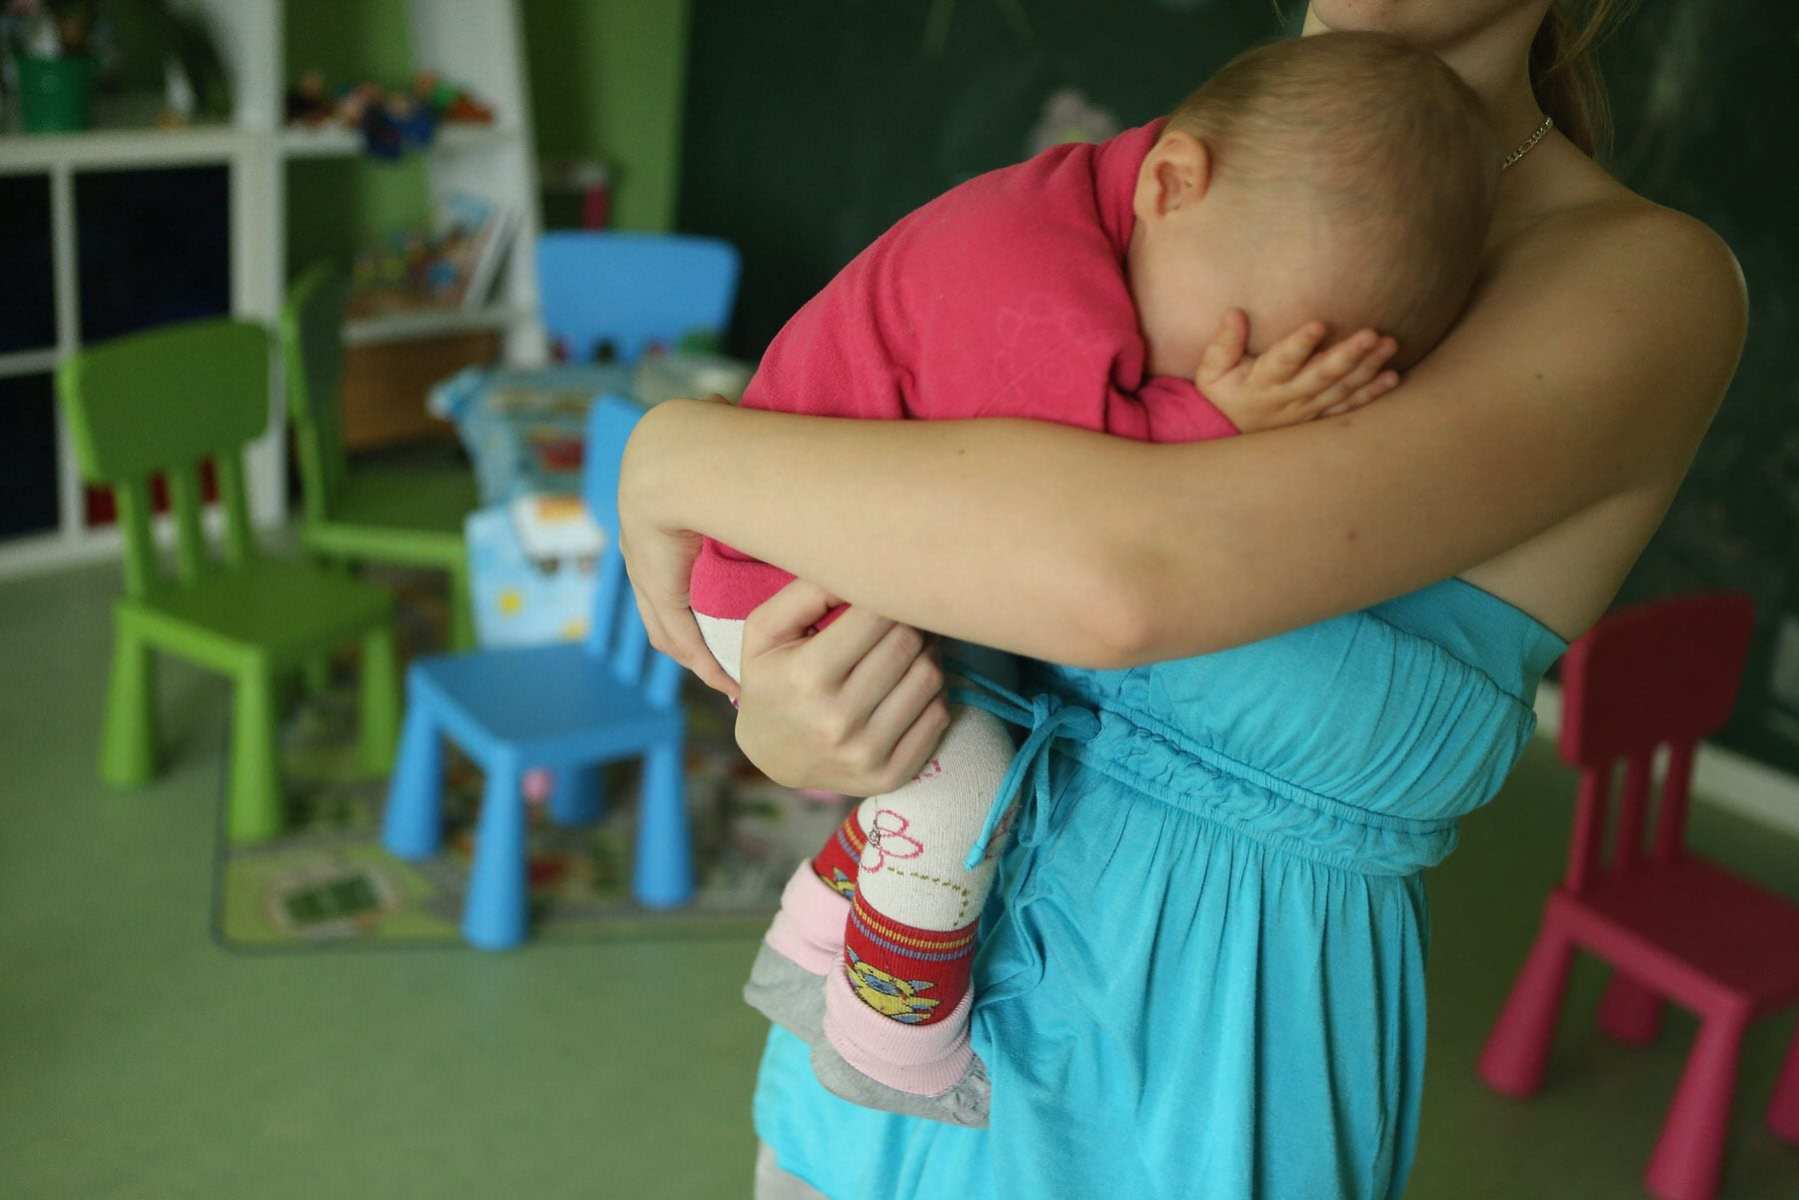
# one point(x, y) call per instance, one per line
point(1282, 361)
point(1363, 350)
point(1225, 350)
point(1369, 392)
point(1361, 372)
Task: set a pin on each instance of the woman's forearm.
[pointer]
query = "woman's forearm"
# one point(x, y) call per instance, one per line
point(1053, 542)
point(897, 515)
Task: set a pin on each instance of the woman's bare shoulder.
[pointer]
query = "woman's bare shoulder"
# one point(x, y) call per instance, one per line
point(1592, 225)
point(1609, 244)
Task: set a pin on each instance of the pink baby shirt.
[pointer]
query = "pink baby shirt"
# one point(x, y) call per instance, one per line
point(1004, 297)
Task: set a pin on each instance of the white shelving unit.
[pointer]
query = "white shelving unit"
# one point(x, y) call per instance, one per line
point(402, 327)
point(336, 142)
point(476, 43)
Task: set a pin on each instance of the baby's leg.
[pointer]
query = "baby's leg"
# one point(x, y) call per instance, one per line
point(897, 1012)
point(806, 937)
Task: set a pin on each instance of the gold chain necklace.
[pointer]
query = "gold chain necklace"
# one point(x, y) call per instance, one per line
point(1529, 143)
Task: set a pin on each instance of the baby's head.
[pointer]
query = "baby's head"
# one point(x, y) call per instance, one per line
point(1344, 177)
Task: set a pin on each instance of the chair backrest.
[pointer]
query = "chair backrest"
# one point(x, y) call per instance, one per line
point(162, 402)
point(1661, 673)
point(312, 363)
point(633, 290)
point(617, 635)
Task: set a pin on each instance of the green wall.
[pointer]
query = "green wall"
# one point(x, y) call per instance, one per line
point(606, 82)
point(337, 205)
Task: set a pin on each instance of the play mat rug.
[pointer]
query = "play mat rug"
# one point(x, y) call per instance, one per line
point(327, 881)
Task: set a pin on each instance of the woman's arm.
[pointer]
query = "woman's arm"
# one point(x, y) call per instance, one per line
point(1588, 368)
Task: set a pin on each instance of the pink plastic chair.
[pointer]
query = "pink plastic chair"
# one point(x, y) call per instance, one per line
point(1672, 926)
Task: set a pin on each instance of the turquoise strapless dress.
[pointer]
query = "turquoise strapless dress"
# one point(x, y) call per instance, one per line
point(1202, 971)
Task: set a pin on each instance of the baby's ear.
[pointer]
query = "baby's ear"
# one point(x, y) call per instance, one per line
point(1176, 174)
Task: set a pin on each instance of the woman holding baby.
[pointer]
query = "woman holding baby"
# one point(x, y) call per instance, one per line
point(1306, 652)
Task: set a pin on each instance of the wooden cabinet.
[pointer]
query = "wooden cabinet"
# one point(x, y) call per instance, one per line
point(386, 385)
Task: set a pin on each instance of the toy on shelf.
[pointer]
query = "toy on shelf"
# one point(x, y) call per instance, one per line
point(196, 83)
point(48, 62)
point(307, 104)
point(450, 103)
point(452, 264)
point(391, 121)
point(50, 28)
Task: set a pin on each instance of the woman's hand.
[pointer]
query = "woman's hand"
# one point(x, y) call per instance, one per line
point(659, 559)
point(856, 708)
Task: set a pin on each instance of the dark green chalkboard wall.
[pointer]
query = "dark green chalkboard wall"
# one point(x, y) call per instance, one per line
point(812, 125)
point(1707, 96)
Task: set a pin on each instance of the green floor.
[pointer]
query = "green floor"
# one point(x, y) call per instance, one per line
point(138, 1059)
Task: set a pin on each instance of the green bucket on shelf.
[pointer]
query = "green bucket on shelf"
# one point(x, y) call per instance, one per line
point(53, 93)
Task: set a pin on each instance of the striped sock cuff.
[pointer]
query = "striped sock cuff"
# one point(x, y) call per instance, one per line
point(911, 975)
point(837, 862)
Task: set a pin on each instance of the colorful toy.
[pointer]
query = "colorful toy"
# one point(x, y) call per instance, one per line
point(391, 121)
point(306, 101)
point(531, 569)
point(454, 262)
point(397, 123)
point(449, 102)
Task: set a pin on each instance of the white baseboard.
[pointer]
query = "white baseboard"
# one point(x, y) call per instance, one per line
point(1721, 778)
point(43, 553)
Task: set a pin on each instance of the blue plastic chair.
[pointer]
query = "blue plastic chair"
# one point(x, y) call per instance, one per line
point(633, 290)
point(569, 706)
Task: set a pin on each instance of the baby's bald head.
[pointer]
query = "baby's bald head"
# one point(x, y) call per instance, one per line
point(1367, 154)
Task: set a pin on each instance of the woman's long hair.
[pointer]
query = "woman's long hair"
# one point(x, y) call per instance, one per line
point(1565, 74)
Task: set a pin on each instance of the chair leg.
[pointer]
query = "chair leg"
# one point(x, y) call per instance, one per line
point(413, 824)
point(128, 739)
point(664, 871)
point(493, 917)
point(462, 610)
point(1783, 1109)
point(578, 796)
point(1630, 1012)
point(1691, 1148)
point(315, 671)
point(1517, 1049)
point(380, 700)
point(254, 811)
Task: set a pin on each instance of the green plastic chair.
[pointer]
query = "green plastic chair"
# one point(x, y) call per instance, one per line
point(162, 402)
point(410, 518)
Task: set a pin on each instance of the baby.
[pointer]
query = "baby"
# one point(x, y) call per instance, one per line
point(1343, 177)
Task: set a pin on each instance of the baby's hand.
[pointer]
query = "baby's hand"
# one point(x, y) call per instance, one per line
point(1293, 381)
